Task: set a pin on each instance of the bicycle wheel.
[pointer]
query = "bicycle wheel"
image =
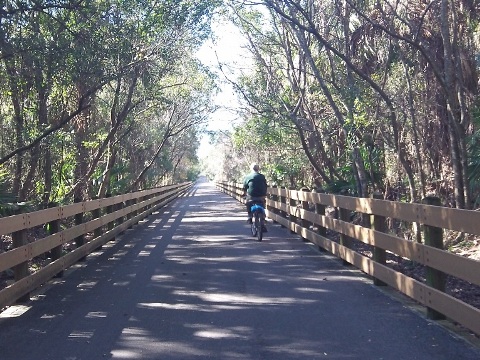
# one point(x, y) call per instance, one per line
point(259, 220)
point(253, 226)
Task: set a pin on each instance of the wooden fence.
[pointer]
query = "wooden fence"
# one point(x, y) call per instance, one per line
point(292, 209)
point(109, 217)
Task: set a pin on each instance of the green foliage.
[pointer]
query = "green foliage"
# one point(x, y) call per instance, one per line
point(118, 181)
point(63, 170)
point(270, 142)
point(7, 199)
point(9, 204)
point(473, 143)
point(340, 187)
point(59, 53)
point(193, 173)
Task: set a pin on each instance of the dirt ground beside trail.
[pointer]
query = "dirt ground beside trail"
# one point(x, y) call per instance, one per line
point(460, 289)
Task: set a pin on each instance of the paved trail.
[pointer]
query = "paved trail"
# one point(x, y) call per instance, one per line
point(191, 283)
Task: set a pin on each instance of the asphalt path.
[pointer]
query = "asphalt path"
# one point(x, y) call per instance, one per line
point(191, 283)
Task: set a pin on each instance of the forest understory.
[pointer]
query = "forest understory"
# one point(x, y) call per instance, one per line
point(468, 247)
point(460, 289)
point(460, 244)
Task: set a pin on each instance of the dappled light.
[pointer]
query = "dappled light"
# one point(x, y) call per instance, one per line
point(122, 238)
point(213, 219)
point(214, 238)
point(219, 334)
point(248, 299)
point(81, 335)
point(191, 307)
point(192, 282)
point(87, 285)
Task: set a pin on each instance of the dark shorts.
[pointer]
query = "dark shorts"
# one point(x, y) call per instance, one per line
point(252, 200)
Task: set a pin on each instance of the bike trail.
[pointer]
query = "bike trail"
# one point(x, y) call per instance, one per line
point(191, 283)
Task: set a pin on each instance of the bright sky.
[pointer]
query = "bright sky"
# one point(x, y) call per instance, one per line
point(226, 49)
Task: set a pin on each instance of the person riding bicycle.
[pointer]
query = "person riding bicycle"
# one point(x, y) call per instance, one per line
point(255, 188)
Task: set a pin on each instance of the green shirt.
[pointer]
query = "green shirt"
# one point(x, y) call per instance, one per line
point(255, 184)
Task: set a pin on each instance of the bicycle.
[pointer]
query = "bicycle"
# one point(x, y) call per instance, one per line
point(258, 220)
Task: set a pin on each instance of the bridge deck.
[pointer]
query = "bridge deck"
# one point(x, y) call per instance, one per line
point(192, 283)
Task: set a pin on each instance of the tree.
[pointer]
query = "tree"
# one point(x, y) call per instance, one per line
point(365, 77)
point(82, 77)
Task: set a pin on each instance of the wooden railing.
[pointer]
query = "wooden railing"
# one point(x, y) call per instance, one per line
point(109, 217)
point(292, 209)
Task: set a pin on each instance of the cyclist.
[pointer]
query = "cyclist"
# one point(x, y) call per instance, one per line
point(255, 188)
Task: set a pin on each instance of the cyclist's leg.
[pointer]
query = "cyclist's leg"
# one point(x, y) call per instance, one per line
point(259, 223)
point(264, 222)
point(249, 211)
point(264, 227)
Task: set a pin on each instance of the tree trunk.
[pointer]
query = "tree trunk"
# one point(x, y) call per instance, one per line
point(80, 124)
point(416, 141)
point(19, 125)
point(361, 174)
point(454, 126)
point(30, 176)
point(105, 185)
point(48, 175)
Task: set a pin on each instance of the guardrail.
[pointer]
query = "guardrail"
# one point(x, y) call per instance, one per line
point(291, 209)
point(110, 216)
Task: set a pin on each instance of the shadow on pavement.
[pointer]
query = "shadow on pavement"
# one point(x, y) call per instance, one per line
point(190, 282)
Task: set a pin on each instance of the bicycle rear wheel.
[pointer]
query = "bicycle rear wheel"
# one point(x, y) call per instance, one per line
point(253, 226)
point(259, 220)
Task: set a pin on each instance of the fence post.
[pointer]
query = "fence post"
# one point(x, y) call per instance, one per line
point(138, 202)
point(239, 192)
point(344, 215)
point(97, 213)
point(283, 200)
point(435, 278)
point(53, 228)
point(135, 213)
point(79, 240)
point(121, 219)
point(305, 206)
point(146, 207)
point(292, 205)
point(129, 215)
point(19, 238)
point(274, 197)
point(320, 210)
point(109, 210)
point(149, 206)
point(379, 254)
